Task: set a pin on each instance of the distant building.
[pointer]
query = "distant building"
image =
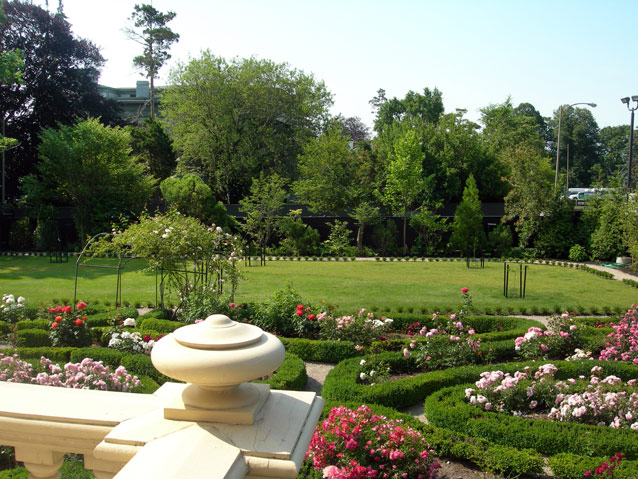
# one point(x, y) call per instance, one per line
point(135, 103)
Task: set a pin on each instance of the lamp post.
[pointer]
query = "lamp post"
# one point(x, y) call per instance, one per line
point(560, 118)
point(631, 136)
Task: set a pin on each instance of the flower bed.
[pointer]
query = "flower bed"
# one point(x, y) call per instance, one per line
point(449, 408)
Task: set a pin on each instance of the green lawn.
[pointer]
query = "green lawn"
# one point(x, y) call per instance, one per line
point(346, 285)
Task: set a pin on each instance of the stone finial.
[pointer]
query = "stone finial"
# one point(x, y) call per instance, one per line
point(218, 357)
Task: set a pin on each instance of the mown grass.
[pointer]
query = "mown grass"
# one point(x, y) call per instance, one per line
point(380, 286)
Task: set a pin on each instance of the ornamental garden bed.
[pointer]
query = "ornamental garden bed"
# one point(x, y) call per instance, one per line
point(400, 364)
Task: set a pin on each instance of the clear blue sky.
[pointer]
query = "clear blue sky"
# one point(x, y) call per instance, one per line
point(477, 52)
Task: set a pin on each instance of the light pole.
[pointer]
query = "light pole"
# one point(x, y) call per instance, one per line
point(631, 136)
point(560, 118)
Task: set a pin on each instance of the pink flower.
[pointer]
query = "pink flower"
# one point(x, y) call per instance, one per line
point(231, 305)
point(543, 347)
point(406, 353)
point(81, 305)
point(331, 472)
point(464, 290)
point(67, 309)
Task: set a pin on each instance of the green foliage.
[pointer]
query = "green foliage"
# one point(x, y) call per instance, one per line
point(467, 227)
point(155, 37)
point(153, 147)
point(291, 375)
point(277, 314)
point(33, 338)
point(109, 357)
point(89, 166)
point(162, 326)
point(263, 207)
point(299, 238)
point(339, 240)
point(56, 354)
point(141, 365)
point(33, 324)
point(321, 351)
point(607, 238)
point(577, 253)
point(179, 245)
point(530, 181)
point(384, 237)
point(21, 235)
point(556, 227)
point(327, 170)
point(500, 240)
point(431, 228)
point(426, 107)
point(404, 182)
point(189, 195)
point(200, 305)
point(45, 236)
point(254, 116)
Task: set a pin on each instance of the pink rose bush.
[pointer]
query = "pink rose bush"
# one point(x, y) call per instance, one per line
point(87, 374)
point(358, 444)
point(560, 340)
point(594, 400)
point(623, 342)
point(444, 344)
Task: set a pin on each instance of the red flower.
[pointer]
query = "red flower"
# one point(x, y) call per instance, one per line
point(58, 318)
point(300, 306)
point(79, 322)
point(81, 305)
point(311, 317)
point(83, 318)
point(299, 312)
point(464, 290)
point(53, 310)
point(67, 309)
point(54, 325)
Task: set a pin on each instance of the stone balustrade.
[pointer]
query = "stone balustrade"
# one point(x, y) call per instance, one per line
point(172, 433)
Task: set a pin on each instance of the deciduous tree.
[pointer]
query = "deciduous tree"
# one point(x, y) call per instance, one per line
point(467, 227)
point(58, 85)
point(231, 120)
point(89, 166)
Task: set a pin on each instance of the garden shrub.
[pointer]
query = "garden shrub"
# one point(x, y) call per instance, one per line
point(4, 328)
point(141, 365)
point(62, 355)
point(577, 253)
point(32, 338)
point(21, 235)
point(33, 324)
point(321, 351)
point(162, 326)
point(448, 408)
point(291, 375)
point(158, 314)
point(109, 357)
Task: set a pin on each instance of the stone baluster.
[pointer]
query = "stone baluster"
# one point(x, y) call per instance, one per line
point(41, 463)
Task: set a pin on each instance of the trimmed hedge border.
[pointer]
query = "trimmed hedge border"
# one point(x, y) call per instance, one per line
point(33, 338)
point(162, 326)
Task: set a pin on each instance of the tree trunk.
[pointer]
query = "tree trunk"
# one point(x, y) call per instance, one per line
point(360, 238)
point(405, 229)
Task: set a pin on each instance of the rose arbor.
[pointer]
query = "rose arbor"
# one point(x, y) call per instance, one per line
point(217, 426)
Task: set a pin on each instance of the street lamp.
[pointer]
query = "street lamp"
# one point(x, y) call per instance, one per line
point(631, 135)
point(560, 117)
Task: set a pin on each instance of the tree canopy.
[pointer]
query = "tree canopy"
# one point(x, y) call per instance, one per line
point(89, 166)
point(58, 84)
point(152, 33)
point(232, 119)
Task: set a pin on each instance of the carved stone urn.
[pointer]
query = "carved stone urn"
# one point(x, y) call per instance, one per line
point(218, 357)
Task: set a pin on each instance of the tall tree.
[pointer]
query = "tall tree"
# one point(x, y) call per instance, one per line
point(614, 150)
point(327, 169)
point(231, 120)
point(581, 135)
point(356, 129)
point(89, 166)
point(59, 82)
point(156, 38)
point(467, 227)
point(263, 207)
point(415, 107)
point(531, 185)
point(404, 182)
point(10, 73)
point(154, 148)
